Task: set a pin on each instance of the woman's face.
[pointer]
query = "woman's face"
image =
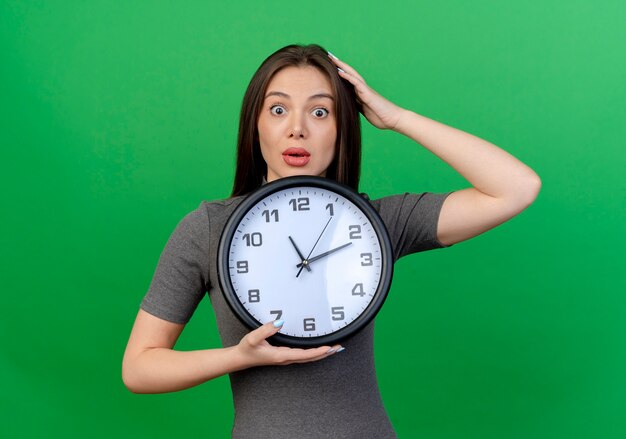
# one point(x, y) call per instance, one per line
point(297, 128)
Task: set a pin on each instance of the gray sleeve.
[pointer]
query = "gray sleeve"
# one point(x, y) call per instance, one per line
point(181, 277)
point(411, 221)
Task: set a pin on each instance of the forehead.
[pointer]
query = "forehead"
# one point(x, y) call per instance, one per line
point(296, 81)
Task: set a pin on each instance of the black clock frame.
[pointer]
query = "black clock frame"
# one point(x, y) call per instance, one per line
point(322, 183)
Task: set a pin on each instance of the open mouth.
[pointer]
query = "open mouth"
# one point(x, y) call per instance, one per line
point(296, 152)
point(296, 156)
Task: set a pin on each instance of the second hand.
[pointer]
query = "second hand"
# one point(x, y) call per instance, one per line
point(306, 261)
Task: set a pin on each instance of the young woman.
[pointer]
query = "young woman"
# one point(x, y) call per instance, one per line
point(300, 116)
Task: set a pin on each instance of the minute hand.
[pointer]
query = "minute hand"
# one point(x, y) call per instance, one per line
point(315, 258)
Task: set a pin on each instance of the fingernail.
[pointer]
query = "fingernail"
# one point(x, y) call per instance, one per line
point(341, 70)
point(330, 351)
point(341, 349)
point(330, 54)
point(278, 323)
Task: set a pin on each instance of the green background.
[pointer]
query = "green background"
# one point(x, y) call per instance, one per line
point(118, 118)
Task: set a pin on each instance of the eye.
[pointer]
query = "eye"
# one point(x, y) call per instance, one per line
point(320, 112)
point(277, 110)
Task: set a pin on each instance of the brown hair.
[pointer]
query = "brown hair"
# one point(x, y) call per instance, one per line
point(345, 167)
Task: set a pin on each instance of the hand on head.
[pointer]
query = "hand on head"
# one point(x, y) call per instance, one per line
point(379, 111)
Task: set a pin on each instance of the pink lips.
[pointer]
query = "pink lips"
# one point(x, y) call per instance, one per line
point(296, 156)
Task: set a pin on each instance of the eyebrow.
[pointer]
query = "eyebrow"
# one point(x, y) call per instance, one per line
point(285, 95)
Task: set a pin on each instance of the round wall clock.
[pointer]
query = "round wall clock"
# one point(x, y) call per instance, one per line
point(309, 251)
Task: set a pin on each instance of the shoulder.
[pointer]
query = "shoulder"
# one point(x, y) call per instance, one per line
point(210, 211)
point(205, 223)
point(197, 227)
point(411, 220)
point(217, 212)
point(424, 201)
point(221, 206)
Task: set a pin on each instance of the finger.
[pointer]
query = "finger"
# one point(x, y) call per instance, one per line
point(345, 66)
point(309, 355)
point(265, 331)
point(295, 355)
point(360, 87)
point(350, 77)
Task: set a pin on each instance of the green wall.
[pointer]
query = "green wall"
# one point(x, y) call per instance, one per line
point(118, 118)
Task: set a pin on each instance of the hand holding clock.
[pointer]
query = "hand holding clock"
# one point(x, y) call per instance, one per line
point(254, 350)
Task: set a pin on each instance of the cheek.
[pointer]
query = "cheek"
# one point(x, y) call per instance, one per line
point(331, 137)
point(268, 131)
point(263, 125)
point(260, 129)
point(326, 131)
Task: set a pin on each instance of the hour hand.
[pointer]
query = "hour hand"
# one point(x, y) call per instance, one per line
point(315, 258)
point(299, 254)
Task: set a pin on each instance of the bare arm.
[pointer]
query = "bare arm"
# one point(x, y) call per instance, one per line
point(150, 364)
point(502, 186)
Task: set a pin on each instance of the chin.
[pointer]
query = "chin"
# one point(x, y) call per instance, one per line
point(308, 173)
point(292, 172)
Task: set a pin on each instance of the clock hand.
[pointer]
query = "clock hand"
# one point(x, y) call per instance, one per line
point(305, 262)
point(315, 258)
point(299, 253)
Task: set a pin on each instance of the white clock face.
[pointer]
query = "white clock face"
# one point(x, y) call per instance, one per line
point(341, 250)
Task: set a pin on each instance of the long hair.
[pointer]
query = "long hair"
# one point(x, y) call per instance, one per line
point(346, 165)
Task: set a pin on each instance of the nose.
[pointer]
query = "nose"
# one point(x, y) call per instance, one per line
point(297, 125)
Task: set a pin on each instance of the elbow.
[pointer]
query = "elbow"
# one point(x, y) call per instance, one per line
point(130, 385)
point(532, 186)
point(130, 377)
point(526, 193)
point(529, 190)
point(134, 385)
point(128, 381)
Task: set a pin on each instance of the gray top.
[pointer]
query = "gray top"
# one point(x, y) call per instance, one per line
point(336, 397)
